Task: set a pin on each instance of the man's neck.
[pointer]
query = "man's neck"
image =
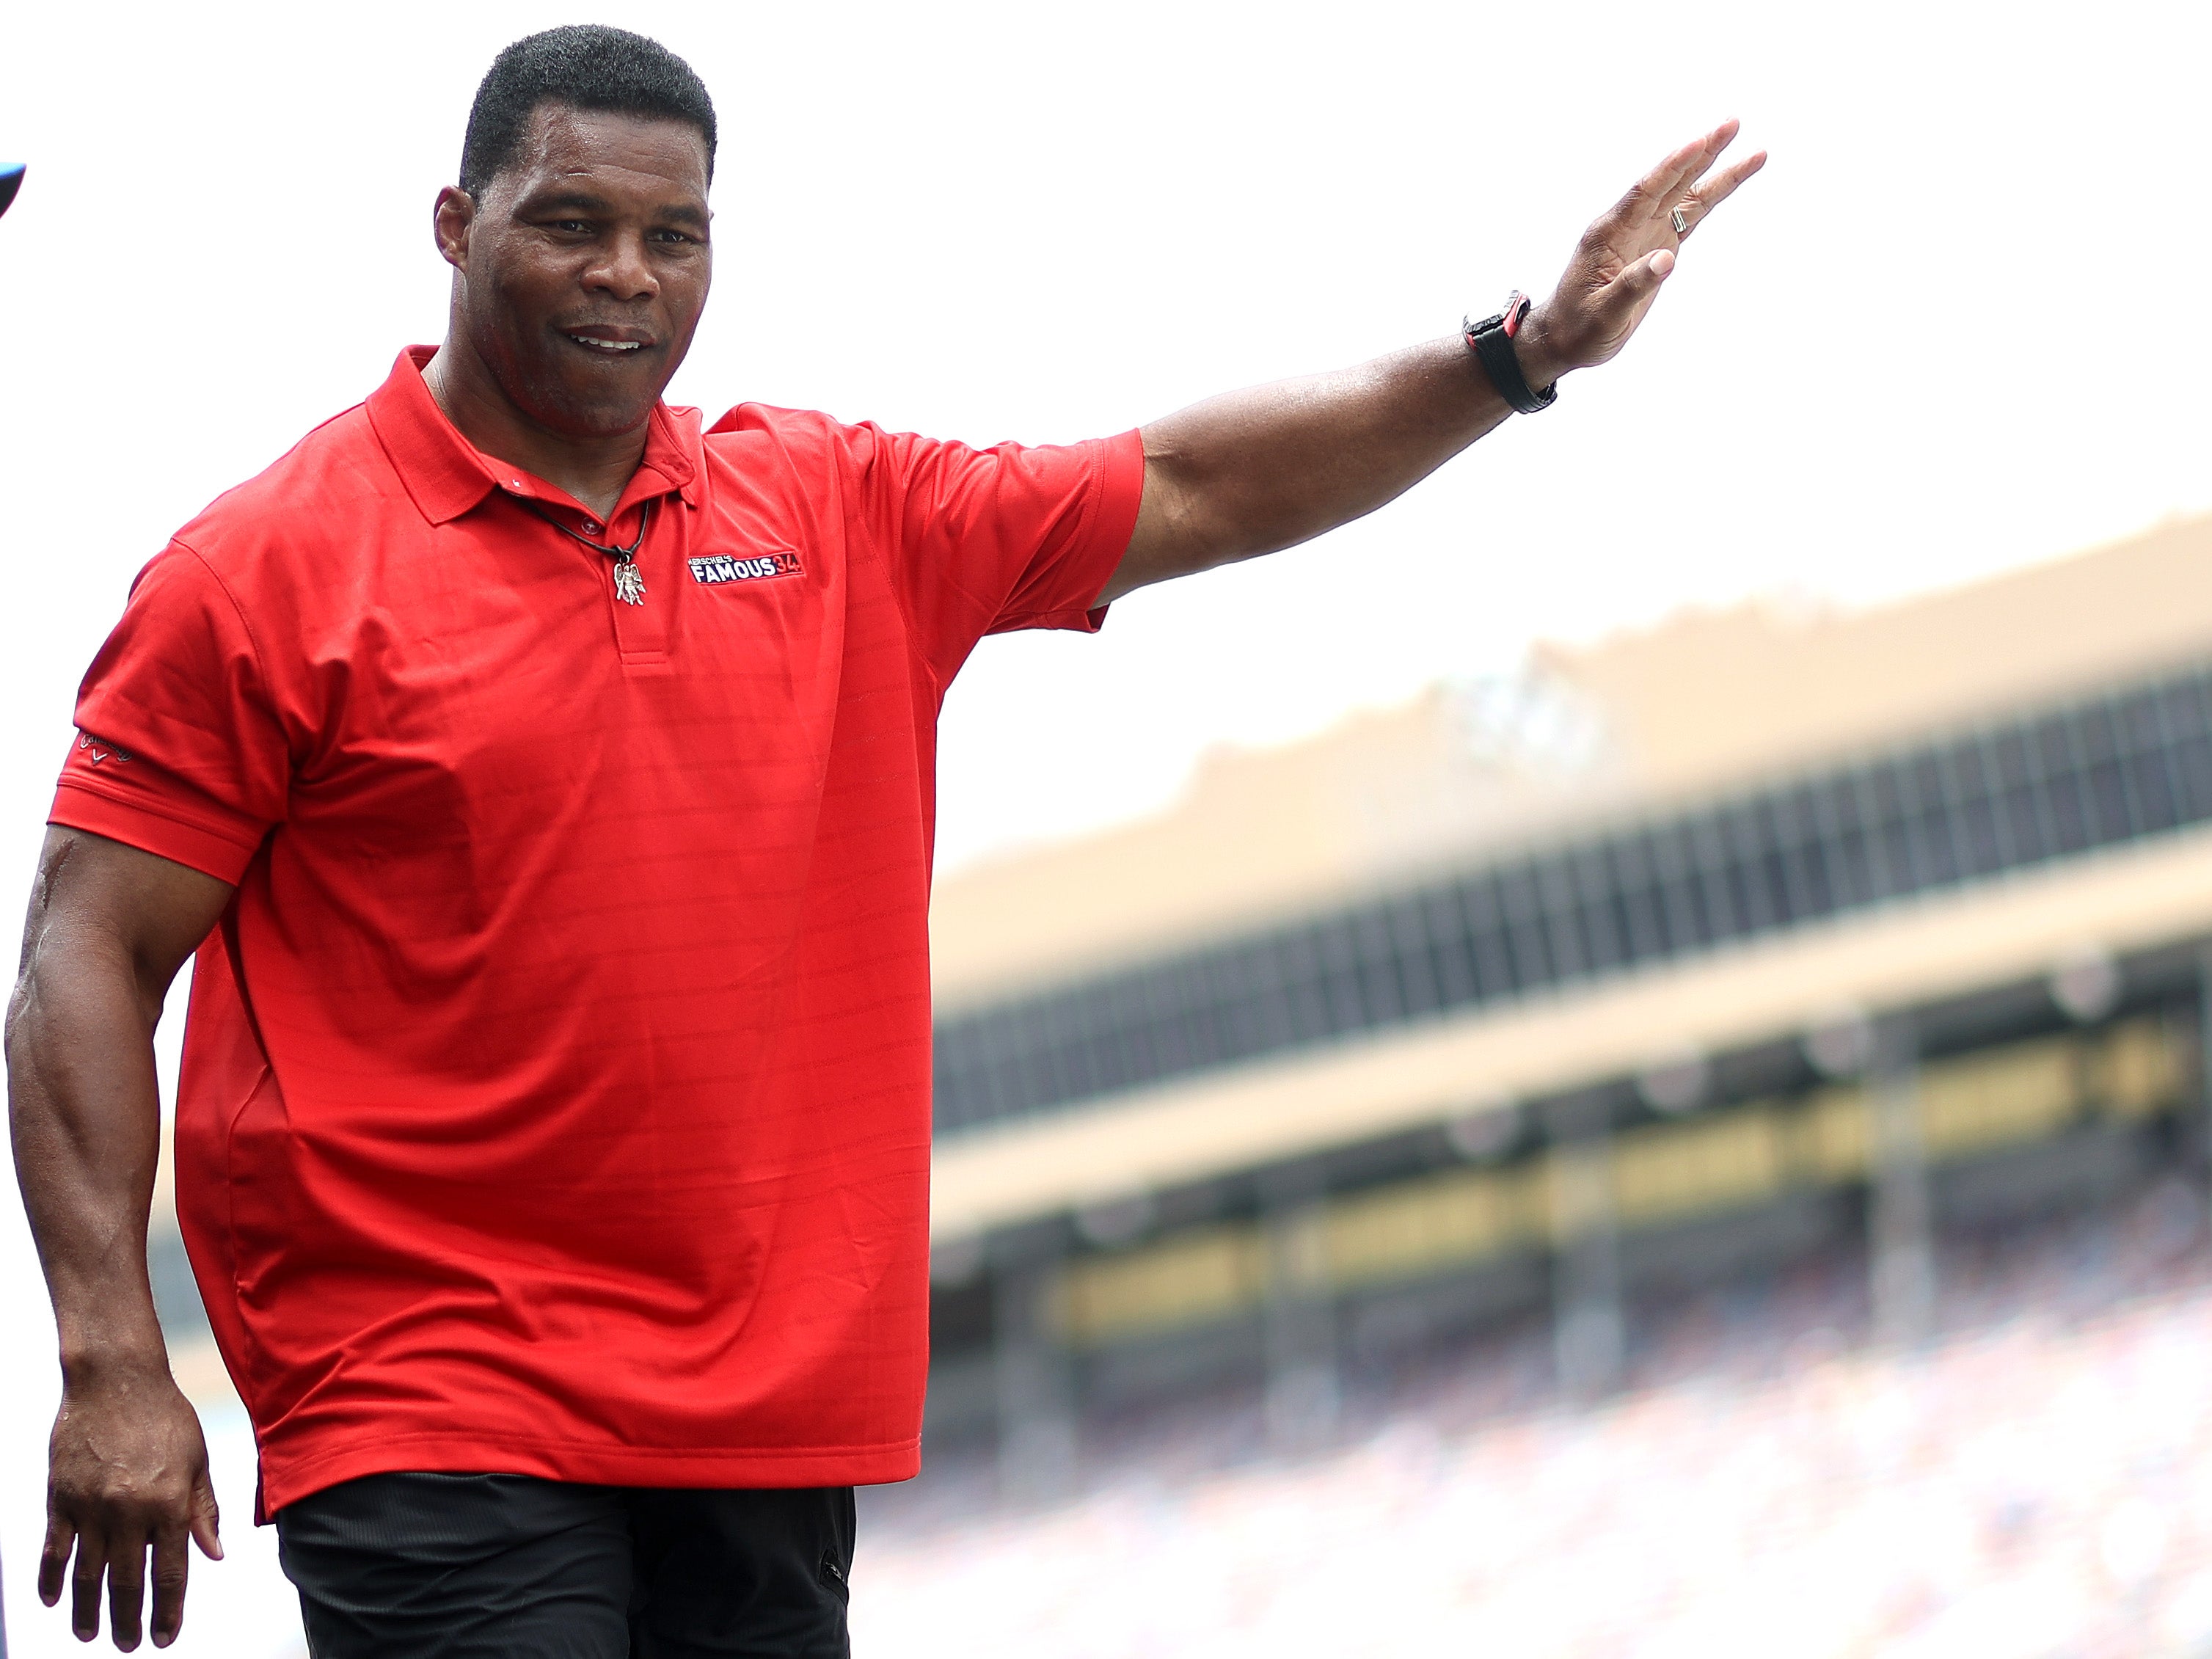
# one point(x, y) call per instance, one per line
point(595, 470)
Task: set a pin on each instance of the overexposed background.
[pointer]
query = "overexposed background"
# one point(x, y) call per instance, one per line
point(1957, 325)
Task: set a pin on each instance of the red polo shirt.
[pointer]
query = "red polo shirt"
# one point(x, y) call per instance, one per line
point(556, 1089)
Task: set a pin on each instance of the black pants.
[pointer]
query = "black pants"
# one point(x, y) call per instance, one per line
point(508, 1566)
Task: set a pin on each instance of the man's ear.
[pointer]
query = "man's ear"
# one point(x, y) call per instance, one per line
point(451, 221)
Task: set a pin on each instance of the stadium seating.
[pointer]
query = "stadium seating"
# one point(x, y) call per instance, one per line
point(2036, 1484)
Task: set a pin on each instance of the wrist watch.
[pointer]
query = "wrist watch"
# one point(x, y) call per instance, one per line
point(1492, 342)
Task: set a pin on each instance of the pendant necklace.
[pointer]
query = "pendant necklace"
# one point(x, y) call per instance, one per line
point(629, 586)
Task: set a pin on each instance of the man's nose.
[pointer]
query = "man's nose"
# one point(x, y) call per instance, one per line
point(623, 272)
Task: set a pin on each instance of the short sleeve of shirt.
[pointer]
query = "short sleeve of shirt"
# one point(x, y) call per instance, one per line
point(984, 541)
point(178, 750)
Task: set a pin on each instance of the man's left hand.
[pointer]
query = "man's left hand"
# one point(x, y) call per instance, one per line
point(1623, 259)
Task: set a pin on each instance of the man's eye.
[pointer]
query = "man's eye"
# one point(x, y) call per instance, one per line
point(575, 227)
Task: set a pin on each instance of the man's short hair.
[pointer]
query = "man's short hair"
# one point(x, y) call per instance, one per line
point(585, 66)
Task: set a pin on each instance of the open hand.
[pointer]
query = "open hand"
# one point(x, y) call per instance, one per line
point(1623, 259)
point(128, 1471)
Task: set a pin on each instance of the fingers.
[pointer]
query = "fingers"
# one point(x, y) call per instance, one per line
point(126, 1591)
point(1657, 190)
point(1662, 180)
point(173, 1562)
point(1712, 193)
point(124, 1567)
point(1641, 280)
point(1708, 152)
point(1620, 308)
point(84, 1587)
point(207, 1520)
point(53, 1560)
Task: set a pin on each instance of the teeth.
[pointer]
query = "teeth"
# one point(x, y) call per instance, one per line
point(607, 345)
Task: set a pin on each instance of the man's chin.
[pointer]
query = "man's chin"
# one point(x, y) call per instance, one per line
point(588, 412)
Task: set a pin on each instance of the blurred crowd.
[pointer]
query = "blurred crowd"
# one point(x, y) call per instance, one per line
point(2037, 1482)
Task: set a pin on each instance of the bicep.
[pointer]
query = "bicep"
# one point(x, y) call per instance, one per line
point(1215, 489)
point(1161, 546)
point(99, 898)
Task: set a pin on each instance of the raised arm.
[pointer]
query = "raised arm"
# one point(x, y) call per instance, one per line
point(1256, 471)
point(109, 927)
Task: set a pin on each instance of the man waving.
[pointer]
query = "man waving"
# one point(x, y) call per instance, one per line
point(544, 779)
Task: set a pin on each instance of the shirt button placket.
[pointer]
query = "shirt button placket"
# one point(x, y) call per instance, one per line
point(641, 630)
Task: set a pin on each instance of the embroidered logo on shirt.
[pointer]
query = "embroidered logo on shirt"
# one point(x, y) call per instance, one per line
point(99, 751)
point(721, 567)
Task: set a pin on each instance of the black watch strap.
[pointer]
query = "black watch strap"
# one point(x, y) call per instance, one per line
point(1492, 340)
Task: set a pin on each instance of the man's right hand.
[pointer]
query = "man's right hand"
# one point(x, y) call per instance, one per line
point(127, 1472)
point(109, 926)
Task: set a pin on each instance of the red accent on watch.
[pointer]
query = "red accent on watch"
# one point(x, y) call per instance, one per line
point(1517, 306)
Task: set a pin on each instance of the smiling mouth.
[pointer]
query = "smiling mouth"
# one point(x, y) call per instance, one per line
point(610, 347)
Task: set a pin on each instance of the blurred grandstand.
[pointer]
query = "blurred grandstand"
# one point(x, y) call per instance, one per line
point(1704, 1146)
point(2036, 1483)
point(1699, 1149)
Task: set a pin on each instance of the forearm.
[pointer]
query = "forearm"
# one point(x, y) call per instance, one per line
point(1256, 471)
point(85, 1117)
point(1276, 465)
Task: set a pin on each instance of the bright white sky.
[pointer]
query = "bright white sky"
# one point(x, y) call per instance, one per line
point(1957, 325)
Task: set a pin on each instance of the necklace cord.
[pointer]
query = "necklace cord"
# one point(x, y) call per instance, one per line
point(619, 555)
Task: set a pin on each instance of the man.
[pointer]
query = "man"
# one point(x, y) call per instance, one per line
point(545, 787)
